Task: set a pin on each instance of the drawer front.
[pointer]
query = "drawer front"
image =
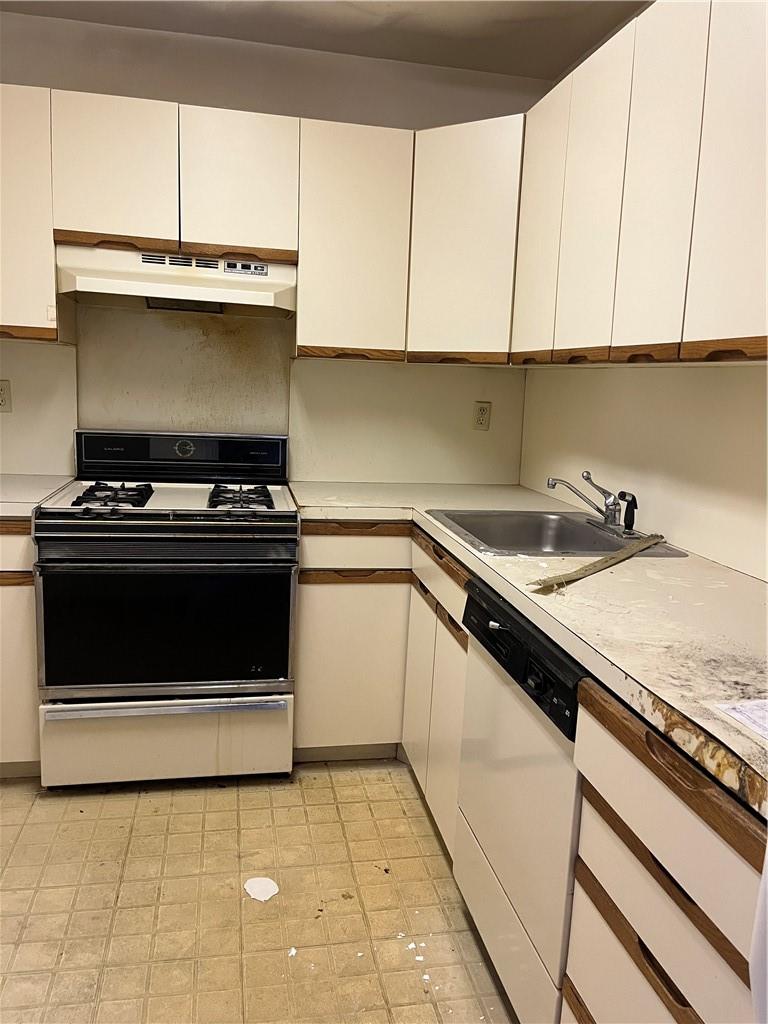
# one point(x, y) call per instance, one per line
point(604, 974)
point(667, 825)
point(712, 988)
point(88, 743)
point(448, 593)
point(355, 552)
point(524, 977)
point(17, 553)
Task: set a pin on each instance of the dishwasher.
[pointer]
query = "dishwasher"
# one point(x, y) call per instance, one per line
point(517, 825)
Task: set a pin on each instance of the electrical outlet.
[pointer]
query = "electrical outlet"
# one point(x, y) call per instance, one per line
point(5, 396)
point(481, 419)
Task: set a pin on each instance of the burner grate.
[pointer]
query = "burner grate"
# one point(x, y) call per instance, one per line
point(225, 497)
point(102, 495)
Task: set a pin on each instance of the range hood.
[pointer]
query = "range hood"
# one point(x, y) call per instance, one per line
point(116, 277)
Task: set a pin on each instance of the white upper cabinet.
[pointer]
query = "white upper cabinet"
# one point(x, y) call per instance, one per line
point(660, 179)
point(239, 180)
point(465, 198)
point(27, 275)
point(354, 229)
point(727, 278)
point(115, 168)
point(594, 178)
point(541, 210)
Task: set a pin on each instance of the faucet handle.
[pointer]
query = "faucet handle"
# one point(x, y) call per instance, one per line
point(609, 496)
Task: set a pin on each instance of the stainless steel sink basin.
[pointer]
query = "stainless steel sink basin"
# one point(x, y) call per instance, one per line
point(540, 533)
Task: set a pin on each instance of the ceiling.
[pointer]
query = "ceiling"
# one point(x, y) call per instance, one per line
point(533, 38)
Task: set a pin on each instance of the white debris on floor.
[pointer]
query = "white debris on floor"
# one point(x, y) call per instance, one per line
point(261, 889)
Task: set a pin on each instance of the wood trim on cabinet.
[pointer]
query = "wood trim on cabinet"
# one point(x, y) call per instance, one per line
point(356, 528)
point(16, 579)
point(329, 352)
point(14, 526)
point(667, 352)
point(347, 576)
point(723, 349)
point(441, 557)
point(719, 942)
point(576, 1003)
point(453, 627)
point(737, 826)
point(28, 333)
point(598, 354)
point(237, 252)
point(424, 592)
point(460, 358)
point(644, 960)
point(531, 356)
point(94, 239)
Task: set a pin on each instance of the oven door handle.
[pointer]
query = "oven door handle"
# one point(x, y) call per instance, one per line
point(66, 715)
point(44, 568)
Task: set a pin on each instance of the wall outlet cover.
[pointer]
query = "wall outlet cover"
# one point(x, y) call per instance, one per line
point(5, 396)
point(481, 417)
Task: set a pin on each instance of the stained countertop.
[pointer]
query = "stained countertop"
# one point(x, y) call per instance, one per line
point(20, 492)
point(672, 637)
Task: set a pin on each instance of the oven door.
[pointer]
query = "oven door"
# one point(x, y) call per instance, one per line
point(126, 629)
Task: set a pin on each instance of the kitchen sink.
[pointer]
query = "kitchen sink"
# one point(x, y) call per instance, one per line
point(540, 533)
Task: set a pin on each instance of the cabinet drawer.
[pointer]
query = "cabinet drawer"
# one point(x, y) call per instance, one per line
point(654, 789)
point(17, 553)
point(432, 564)
point(165, 739)
point(355, 552)
point(711, 987)
point(524, 977)
point(604, 973)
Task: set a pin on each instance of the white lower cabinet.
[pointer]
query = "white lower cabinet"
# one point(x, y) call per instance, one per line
point(448, 685)
point(165, 739)
point(417, 707)
point(18, 676)
point(349, 662)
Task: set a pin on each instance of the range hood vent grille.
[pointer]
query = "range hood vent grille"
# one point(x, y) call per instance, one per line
point(180, 261)
point(209, 264)
point(153, 257)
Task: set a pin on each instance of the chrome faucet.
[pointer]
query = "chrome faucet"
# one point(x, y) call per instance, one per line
point(611, 511)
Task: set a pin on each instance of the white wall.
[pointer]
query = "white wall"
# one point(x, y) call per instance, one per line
point(689, 441)
point(36, 436)
point(156, 370)
point(357, 421)
point(216, 72)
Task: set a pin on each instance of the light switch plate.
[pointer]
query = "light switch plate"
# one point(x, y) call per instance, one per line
point(481, 419)
point(5, 396)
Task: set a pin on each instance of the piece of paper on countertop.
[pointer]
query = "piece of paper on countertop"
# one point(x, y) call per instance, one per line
point(262, 889)
point(752, 713)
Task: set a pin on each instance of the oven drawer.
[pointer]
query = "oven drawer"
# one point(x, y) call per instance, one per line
point(534, 998)
point(164, 739)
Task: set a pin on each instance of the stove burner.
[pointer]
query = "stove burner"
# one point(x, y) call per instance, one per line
point(235, 498)
point(101, 495)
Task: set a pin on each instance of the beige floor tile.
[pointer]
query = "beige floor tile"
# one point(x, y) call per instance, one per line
point(300, 932)
point(410, 869)
point(283, 816)
point(28, 854)
point(74, 987)
point(35, 956)
point(423, 1013)
point(89, 923)
point(387, 923)
point(11, 927)
point(124, 982)
point(185, 823)
point(218, 974)
point(401, 847)
point(252, 797)
point(129, 949)
point(181, 842)
point(26, 990)
point(101, 871)
point(96, 897)
point(219, 1007)
point(73, 1013)
point(380, 897)
point(219, 942)
point(40, 927)
point(270, 1003)
point(20, 878)
point(169, 1009)
point(137, 868)
point(320, 807)
point(449, 983)
point(173, 978)
point(314, 1000)
point(138, 894)
point(174, 945)
point(427, 919)
point(394, 828)
point(179, 890)
point(82, 952)
point(57, 875)
point(50, 901)
point(120, 1011)
point(176, 917)
point(403, 988)
point(350, 928)
point(461, 1011)
point(285, 797)
point(268, 935)
point(220, 914)
point(177, 864)
point(331, 853)
point(133, 920)
point(265, 969)
point(352, 959)
point(17, 902)
point(309, 963)
point(358, 994)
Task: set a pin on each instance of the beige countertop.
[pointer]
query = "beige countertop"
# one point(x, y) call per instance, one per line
point(20, 492)
point(673, 637)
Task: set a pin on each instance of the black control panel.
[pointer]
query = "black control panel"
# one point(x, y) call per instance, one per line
point(538, 666)
point(190, 457)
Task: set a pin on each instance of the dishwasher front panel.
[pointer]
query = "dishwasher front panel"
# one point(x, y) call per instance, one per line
point(519, 793)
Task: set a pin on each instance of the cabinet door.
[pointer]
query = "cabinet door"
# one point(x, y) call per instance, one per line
point(660, 178)
point(239, 182)
point(422, 623)
point(538, 239)
point(115, 169)
point(465, 197)
point(448, 686)
point(594, 176)
point(27, 268)
point(726, 282)
point(18, 676)
point(354, 230)
point(350, 662)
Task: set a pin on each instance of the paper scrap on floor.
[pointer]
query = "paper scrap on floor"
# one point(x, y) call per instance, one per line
point(752, 713)
point(262, 889)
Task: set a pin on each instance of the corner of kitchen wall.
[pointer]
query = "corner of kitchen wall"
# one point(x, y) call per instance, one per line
point(689, 441)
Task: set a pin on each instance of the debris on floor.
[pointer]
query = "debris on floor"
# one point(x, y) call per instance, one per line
point(261, 889)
